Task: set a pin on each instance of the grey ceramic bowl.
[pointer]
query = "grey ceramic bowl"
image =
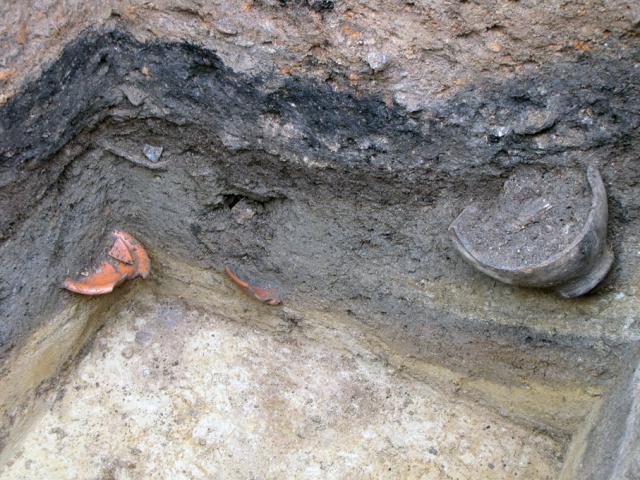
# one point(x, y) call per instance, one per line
point(573, 271)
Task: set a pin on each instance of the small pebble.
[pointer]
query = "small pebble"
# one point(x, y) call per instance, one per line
point(226, 26)
point(135, 96)
point(378, 61)
point(127, 352)
point(142, 337)
point(243, 213)
point(499, 132)
point(152, 153)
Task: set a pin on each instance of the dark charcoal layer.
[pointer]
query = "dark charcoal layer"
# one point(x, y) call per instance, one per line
point(352, 198)
point(483, 131)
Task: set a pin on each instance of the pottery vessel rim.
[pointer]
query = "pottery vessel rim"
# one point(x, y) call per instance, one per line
point(570, 256)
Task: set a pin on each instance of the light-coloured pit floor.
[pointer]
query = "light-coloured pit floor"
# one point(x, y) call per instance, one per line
point(170, 391)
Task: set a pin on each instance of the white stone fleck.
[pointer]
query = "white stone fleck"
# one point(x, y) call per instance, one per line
point(377, 60)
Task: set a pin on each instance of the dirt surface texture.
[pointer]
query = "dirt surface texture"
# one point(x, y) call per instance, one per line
point(171, 392)
point(324, 147)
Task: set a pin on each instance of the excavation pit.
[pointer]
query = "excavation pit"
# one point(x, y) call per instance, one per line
point(389, 357)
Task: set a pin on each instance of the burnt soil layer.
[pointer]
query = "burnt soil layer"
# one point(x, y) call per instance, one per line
point(340, 198)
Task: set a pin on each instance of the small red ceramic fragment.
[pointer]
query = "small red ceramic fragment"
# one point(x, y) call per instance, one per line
point(267, 295)
point(141, 259)
point(102, 281)
point(128, 259)
point(120, 251)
